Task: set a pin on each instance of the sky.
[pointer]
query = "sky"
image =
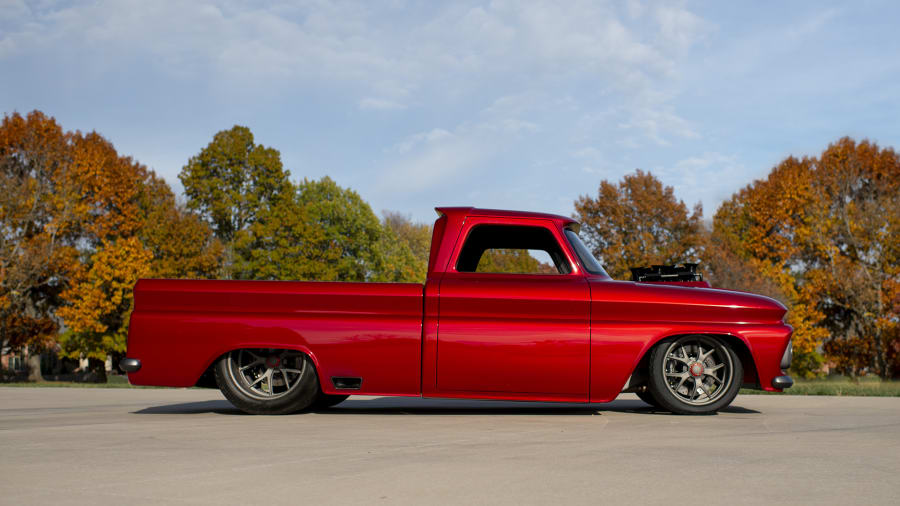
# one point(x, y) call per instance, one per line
point(505, 104)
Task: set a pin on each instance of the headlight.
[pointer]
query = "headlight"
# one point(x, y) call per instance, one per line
point(788, 355)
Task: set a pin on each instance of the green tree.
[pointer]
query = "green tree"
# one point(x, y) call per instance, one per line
point(352, 232)
point(230, 182)
point(638, 222)
point(415, 236)
point(512, 261)
point(323, 232)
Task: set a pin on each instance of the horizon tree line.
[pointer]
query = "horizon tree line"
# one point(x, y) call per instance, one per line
point(80, 223)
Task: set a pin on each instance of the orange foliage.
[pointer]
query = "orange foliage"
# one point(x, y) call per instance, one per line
point(638, 222)
point(825, 230)
point(79, 224)
point(38, 227)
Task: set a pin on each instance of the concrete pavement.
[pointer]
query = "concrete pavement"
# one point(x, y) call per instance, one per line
point(135, 446)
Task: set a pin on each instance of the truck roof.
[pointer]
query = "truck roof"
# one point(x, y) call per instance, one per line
point(474, 211)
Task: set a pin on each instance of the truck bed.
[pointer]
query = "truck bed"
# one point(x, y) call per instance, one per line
point(370, 331)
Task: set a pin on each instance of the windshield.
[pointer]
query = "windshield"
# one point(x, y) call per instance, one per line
point(584, 254)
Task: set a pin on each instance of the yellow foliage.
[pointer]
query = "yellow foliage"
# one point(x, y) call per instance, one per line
point(101, 302)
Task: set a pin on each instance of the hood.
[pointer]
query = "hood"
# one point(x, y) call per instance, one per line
point(668, 302)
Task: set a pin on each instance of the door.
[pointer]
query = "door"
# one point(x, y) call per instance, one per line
point(513, 331)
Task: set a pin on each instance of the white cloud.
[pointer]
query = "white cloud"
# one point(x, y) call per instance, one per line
point(375, 56)
point(412, 141)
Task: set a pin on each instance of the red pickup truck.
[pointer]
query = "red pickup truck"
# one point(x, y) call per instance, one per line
point(566, 332)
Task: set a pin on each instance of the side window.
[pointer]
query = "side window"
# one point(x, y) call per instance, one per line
point(512, 249)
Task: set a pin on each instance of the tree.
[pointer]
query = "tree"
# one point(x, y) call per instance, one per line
point(78, 225)
point(101, 304)
point(321, 232)
point(182, 244)
point(39, 228)
point(416, 237)
point(99, 298)
point(512, 261)
point(638, 222)
point(853, 254)
point(825, 231)
point(723, 268)
point(230, 182)
point(352, 234)
point(760, 225)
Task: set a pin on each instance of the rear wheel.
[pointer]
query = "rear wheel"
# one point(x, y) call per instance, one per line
point(267, 381)
point(694, 375)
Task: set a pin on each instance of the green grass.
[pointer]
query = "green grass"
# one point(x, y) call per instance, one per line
point(864, 387)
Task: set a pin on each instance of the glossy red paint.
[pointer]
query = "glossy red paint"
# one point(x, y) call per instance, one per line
point(566, 337)
point(367, 330)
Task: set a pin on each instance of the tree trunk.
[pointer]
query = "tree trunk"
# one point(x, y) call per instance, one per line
point(98, 370)
point(34, 367)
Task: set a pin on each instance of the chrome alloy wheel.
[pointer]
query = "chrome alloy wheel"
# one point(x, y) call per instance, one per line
point(265, 373)
point(698, 370)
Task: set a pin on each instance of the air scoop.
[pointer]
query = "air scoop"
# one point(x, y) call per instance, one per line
point(683, 275)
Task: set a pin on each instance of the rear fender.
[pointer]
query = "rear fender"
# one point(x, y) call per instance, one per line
point(213, 359)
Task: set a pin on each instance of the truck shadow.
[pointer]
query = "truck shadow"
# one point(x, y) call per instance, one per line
point(436, 407)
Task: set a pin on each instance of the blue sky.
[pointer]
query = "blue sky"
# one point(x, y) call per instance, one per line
point(507, 104)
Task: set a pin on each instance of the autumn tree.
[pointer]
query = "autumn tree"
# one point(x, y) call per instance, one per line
point(101, 303)
point(760, 224)
point(230, 182)
point(39, 228)
point(80, 224)
point(182, 244)
point(724, 268)
point(825, 231)
point(852, 254)
point(638, 222)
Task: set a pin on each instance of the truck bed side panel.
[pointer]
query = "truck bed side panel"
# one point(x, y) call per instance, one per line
point(366, 330)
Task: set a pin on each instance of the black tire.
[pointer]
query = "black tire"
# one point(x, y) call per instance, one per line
point(295, 397)
point(324, 401)
point(647, 397)
point(669, 375)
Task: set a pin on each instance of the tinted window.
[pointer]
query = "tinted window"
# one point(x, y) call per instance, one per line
point(512, 249)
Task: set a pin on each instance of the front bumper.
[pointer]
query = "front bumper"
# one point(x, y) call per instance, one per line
point(782, 382)
point(130, 365)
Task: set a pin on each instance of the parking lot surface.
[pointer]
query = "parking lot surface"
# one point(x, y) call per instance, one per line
point(158, 446)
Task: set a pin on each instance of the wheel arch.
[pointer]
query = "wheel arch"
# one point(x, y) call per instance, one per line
point(751, 376)
point(207, 378)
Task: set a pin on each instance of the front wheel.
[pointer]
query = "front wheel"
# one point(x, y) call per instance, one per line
point(267, 381)
point(647, 397)
point(694, 375)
